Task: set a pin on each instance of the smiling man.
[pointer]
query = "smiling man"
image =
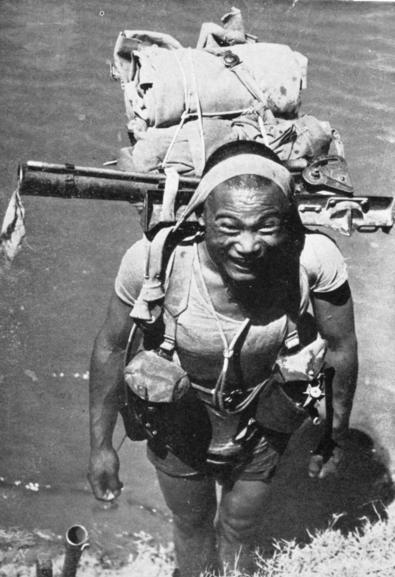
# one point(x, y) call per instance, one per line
point(247, 286)
point(243, 226)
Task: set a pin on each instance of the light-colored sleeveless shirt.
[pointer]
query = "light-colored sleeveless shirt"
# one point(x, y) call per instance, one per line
point(199, 343)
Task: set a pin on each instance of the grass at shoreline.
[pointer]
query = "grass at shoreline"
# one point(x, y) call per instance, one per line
point(367, 553)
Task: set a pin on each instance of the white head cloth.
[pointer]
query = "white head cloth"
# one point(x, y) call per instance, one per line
point(238, 165)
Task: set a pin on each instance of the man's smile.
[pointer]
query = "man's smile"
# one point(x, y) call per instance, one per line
point(243, 264)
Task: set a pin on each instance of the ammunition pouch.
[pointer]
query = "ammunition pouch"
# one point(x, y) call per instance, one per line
point(152, 383)
point(132, 421)
point(182, 426)
point(154, 378)
point(292, 394)
point(278, 411)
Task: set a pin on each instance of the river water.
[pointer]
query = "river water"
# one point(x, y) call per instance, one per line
point(59, 105)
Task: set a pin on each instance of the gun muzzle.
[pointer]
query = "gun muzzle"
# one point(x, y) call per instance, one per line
point(75, 542)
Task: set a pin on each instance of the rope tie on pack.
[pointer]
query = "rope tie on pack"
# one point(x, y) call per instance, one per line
point(193, 108)
point(186, 113)
point(248, 80)
point(191, 93)
point(172, 177)
point(184, 117)
point(198, 169)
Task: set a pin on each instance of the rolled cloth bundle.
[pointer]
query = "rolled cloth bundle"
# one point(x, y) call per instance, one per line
point(168, 83)
point(304, 138)
point(184, 153)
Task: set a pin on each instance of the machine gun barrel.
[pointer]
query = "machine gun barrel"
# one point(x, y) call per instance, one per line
point(317, 207)
point(70, 181)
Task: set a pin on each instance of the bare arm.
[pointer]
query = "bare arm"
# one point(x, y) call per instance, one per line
point(335, 321)
point(106, 378)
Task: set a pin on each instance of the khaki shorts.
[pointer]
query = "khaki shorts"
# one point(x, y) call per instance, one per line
point(257, 465)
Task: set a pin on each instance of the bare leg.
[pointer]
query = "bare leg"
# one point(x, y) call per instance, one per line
point(241, 510)
point(193, 504)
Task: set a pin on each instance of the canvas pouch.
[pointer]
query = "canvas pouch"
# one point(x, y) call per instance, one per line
point(156, 379)
point(276, 407)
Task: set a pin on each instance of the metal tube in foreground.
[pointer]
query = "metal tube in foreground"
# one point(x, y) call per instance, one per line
point(76, 541)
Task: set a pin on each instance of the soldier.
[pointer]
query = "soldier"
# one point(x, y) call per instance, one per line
point(250, 281)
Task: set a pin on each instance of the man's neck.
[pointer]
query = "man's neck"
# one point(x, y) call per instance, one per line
point(245, 294)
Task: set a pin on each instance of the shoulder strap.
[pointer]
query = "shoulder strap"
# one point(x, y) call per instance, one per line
point(178, 280)
point(177, 294)
point(152, 292)
point(165, 289)
point(292, 341)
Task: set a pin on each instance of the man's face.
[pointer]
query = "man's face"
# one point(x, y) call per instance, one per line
point(244, 226)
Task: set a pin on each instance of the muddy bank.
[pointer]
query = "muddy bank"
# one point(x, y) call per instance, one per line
point(20, 551)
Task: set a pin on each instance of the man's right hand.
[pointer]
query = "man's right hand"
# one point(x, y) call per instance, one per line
point(103, 474)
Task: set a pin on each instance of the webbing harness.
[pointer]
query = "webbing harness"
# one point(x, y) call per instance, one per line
point(165, 292)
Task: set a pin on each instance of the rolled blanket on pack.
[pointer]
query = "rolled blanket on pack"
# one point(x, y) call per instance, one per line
point(186, 153)
point(166, 83)
point(302, 138)
point(305, 137)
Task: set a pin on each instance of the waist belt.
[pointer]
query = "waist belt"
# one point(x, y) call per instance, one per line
point(234, 401)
